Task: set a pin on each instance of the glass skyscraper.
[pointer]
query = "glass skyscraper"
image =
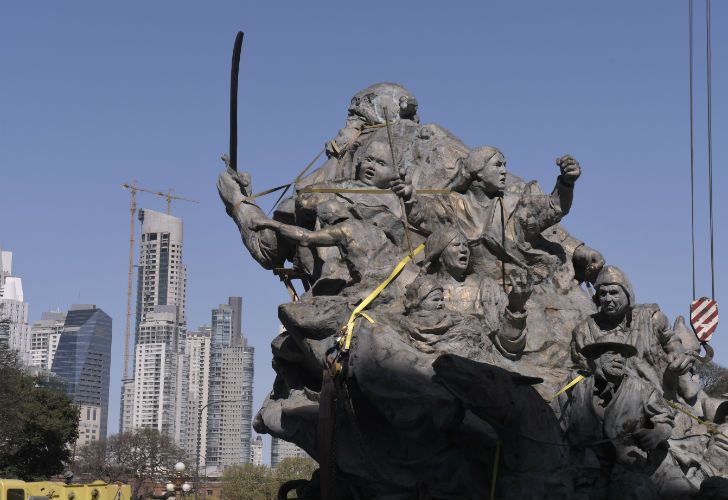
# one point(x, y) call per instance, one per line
point(83, 361)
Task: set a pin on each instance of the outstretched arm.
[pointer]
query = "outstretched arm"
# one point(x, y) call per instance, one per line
point(263, 245)
point(326, 237)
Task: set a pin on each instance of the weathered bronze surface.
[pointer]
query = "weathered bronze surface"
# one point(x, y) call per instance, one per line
point(456, 364)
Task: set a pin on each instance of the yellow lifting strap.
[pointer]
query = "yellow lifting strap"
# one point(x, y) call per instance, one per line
point(370, 191)
point(568, 386)
point(359, 310)
point(712, 427)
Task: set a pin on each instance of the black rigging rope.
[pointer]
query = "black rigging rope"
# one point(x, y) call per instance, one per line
point(692, 141)
point(710, 148)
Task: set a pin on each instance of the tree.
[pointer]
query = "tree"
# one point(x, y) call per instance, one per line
point(292, 468)
point(139, 457)
point(713, 378)
point(91, 464)
point(249, 482)
point(39, 424)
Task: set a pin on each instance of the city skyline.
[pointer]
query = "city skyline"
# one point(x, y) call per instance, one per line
point(537, 80)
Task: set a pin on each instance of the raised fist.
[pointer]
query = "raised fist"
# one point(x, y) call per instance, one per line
point(570, 169)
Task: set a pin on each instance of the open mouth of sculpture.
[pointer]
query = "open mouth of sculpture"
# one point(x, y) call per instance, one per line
point(370, 173)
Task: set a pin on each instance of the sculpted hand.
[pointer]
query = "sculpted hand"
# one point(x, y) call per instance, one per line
point(402, 187)
point(679, 362)
point(233, 187)
point(649, 439)
point(570, 169)
point(521, 289)
point(587, 263)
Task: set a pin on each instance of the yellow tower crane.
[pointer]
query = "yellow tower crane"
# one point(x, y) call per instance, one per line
point(168, 196)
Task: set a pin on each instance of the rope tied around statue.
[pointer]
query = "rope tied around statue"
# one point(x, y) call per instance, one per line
point(339, 150)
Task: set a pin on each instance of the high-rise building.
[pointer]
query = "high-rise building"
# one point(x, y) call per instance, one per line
point(14, 331)
point(162, 276)
point(83, 361)
point(256, 451)
point(197, 358)
point(44, 336)
point(126, 409)
point(155, 398)
point(280, 449)
point(155, 371)
point(230, 395)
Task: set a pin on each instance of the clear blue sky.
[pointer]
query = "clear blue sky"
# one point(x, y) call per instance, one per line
point(95, 94)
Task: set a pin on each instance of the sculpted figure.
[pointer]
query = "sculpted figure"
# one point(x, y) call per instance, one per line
point(365, 118)
point(263, 245)
point(447, 256)
point(433, 327)
point(613, 414)
point(372, 169)
point(620, 319)
point(448, 370)
point(364, 248)
point(496, 222)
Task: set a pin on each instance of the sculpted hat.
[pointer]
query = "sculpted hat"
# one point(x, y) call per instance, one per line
point(438, 241)
point(419, 289)
point(595, 349)
point(612, 275)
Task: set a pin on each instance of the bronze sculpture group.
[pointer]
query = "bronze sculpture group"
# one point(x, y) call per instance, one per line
point(445, 308)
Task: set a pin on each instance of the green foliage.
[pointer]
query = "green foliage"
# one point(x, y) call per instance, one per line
point(39, 424)
point(249, 482)
point(295, 468)
point(133, 457)
point(713, 378)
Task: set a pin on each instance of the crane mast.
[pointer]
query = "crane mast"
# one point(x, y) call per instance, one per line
point(168, 196)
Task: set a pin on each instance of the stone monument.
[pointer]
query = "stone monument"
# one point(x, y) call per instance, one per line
point(455, 341)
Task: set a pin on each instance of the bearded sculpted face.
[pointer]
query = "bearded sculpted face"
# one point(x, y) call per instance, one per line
point(612, 364)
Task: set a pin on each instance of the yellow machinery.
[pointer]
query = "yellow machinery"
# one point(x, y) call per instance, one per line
point(13, 489)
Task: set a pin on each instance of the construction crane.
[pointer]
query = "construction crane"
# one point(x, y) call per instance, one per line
point(168, 196)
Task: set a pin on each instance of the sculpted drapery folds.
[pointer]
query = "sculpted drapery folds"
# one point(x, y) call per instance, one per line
point(464, 309)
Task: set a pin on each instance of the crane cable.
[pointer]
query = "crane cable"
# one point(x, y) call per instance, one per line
point(692, 140)
point(710, 144)
point(710, 148)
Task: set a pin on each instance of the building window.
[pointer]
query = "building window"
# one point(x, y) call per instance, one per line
point(16, 494)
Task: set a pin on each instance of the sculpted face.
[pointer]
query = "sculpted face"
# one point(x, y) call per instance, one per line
point(433, 301)
point(492, 174)
point(455, 257)
point(613, 301)
point(612, 364)
point(374, 168)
